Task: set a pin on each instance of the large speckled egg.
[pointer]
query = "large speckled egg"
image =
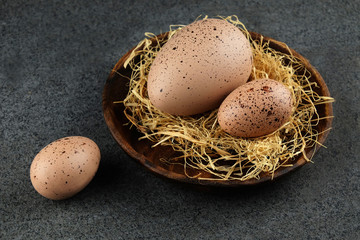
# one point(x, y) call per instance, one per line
point(198, 67)
point(256, 108)
point(64, 167)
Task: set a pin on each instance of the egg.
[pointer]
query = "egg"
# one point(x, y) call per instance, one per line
point(64, 167)
point(256, 108)
point(198, 67)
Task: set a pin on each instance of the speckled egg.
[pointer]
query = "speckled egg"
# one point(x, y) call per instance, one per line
point(65, 167)
point(198, 67)
point(256, 108)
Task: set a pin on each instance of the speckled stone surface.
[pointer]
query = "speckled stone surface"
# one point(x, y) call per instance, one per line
point(55, 58)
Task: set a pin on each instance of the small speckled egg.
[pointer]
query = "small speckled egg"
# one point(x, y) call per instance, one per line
point(256, 108)
point(64, 167)
point(198, 67)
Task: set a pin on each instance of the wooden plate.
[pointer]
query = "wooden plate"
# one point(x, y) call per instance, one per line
point(116, 88)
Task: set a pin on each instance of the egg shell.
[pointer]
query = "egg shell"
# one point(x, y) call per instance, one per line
point(198, 67)
point(256, 109)
point(64, 167)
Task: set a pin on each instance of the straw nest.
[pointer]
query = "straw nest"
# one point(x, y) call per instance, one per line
point(200, 141)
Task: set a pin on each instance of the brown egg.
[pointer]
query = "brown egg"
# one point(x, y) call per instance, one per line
point(64, 167)
point(198, 67)
point(256, 109)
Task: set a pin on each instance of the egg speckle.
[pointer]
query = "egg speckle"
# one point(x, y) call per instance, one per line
point(198, 67)
point(256, 108)
point(64, 167)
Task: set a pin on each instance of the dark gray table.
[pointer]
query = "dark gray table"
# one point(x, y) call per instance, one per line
point(55, 58)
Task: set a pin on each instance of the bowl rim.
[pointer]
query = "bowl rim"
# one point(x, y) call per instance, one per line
point(108, 113)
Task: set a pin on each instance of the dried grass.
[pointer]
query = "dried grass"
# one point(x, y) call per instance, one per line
point(200, 141)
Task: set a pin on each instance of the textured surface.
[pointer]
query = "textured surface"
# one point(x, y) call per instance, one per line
point(55, 58)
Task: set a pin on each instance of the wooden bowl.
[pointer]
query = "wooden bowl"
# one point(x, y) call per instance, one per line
point(116, 88)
